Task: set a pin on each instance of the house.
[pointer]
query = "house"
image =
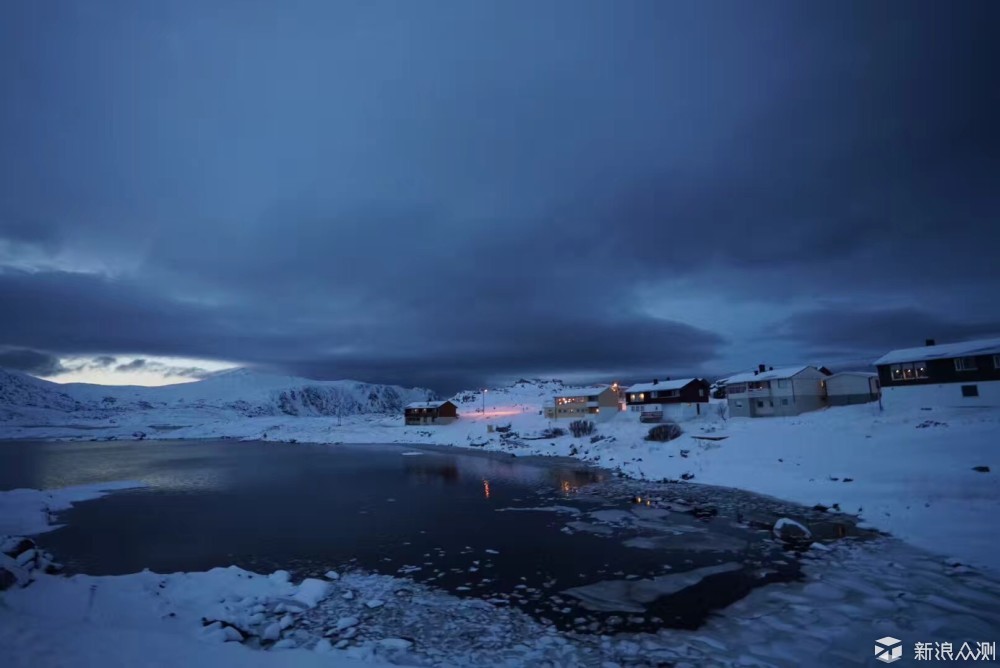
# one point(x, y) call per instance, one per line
point(953, 374)
point(776, 392)
point(430, 412)
point(851, 387)
point(672, 399)
point(586, 402)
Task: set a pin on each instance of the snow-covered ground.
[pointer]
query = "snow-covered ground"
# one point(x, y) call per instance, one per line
point(908, 473)
point(853, 592)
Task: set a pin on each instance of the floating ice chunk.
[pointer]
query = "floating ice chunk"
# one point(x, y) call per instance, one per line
point(375, 603)
point(412, 453)
point(394, 644)
point(633, 595)
point(613, 516)
point(312, 591)
point(279, 576)
point(332, 575)
point(543, 509)
point(345, 623)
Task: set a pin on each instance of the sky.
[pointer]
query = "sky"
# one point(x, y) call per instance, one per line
point(458, 193)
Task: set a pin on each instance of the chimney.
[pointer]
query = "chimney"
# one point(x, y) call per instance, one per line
point(929, 342)
point(656, 382)
point(668, 377)
point(770, 368)
point(761, 368)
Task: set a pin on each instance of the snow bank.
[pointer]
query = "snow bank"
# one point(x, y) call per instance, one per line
point(29, 511)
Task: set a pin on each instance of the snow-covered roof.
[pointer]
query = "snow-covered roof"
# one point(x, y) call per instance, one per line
point(582, 391)
point(662, 385)
point(867, 374)
point(775, 374)
point(946, 351)
point(426, 404)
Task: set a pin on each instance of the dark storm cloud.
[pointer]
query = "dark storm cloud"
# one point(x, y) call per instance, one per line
point(845, 332)
point(140, 364)
point(444, 195)
point(30, 361)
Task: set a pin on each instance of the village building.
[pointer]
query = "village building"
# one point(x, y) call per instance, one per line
point(776, 392)
point(592, 403)
point(675, 400)
point(954, 374)
point(430, 412)
point(852, 387)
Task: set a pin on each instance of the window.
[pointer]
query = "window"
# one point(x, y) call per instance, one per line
point(970, 390)
point(739, 404)
point(760, 403)
point(782, 384)
point(965, 364)
point(996, 361)
point(909, 370)
point(784, 402)
point(759, 385)
point(737, 388)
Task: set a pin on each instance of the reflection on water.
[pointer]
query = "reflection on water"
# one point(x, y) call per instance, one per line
point(486, 488)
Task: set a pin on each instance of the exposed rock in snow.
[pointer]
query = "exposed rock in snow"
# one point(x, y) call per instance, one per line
point(790, 531)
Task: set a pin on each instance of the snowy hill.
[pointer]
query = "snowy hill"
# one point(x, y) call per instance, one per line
point(18, 390)
point(244, 392)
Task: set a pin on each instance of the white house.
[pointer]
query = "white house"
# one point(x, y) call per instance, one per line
point(775, 392)
point(955, 374)
point(852, 387)
point(591, 403)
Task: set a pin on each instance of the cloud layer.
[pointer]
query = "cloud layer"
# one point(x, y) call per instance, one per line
point(442, 196)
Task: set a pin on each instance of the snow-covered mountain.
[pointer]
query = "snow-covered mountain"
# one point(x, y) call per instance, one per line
point(245, 392)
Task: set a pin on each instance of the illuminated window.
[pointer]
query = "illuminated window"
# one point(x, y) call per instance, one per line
point(896, 370)
point(921, 369)
point(908, 371)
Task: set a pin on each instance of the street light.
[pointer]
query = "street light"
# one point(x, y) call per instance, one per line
point(484, 402)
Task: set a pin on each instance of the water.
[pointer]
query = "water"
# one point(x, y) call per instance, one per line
point(464, 521)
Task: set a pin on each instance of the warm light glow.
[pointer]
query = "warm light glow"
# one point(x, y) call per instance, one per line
point(486, 488)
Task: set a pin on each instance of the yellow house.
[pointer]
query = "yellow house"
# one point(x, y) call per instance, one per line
point(588, 402)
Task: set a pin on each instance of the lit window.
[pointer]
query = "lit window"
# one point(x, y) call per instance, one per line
point(965, 364)
point(908, 371)
point(897, 372)
point(921, 369)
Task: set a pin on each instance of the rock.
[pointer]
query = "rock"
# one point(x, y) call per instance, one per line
point(791, 532)
point(375, 603)
point(7, 579)
point(332, 575)
point(287, 643)
point(981, 469)
point(14, 547)
point(285, 622)
point(687, 476)
point(272, 632)
point(323, 646)
point(397, 644)
point(233, 634)
point(349, 596)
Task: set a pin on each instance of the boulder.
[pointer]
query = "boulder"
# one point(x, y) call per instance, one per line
point(791, 532)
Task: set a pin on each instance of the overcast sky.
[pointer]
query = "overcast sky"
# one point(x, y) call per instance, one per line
point(448, 194)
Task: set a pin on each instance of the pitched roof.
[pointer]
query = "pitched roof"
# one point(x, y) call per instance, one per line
point(946, 351)
point(427, 404)
point(775, 374)
point(867, 374)
point(663, 385)
point(582, 391)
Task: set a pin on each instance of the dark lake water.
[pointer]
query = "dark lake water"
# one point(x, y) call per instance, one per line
point(468, 522)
